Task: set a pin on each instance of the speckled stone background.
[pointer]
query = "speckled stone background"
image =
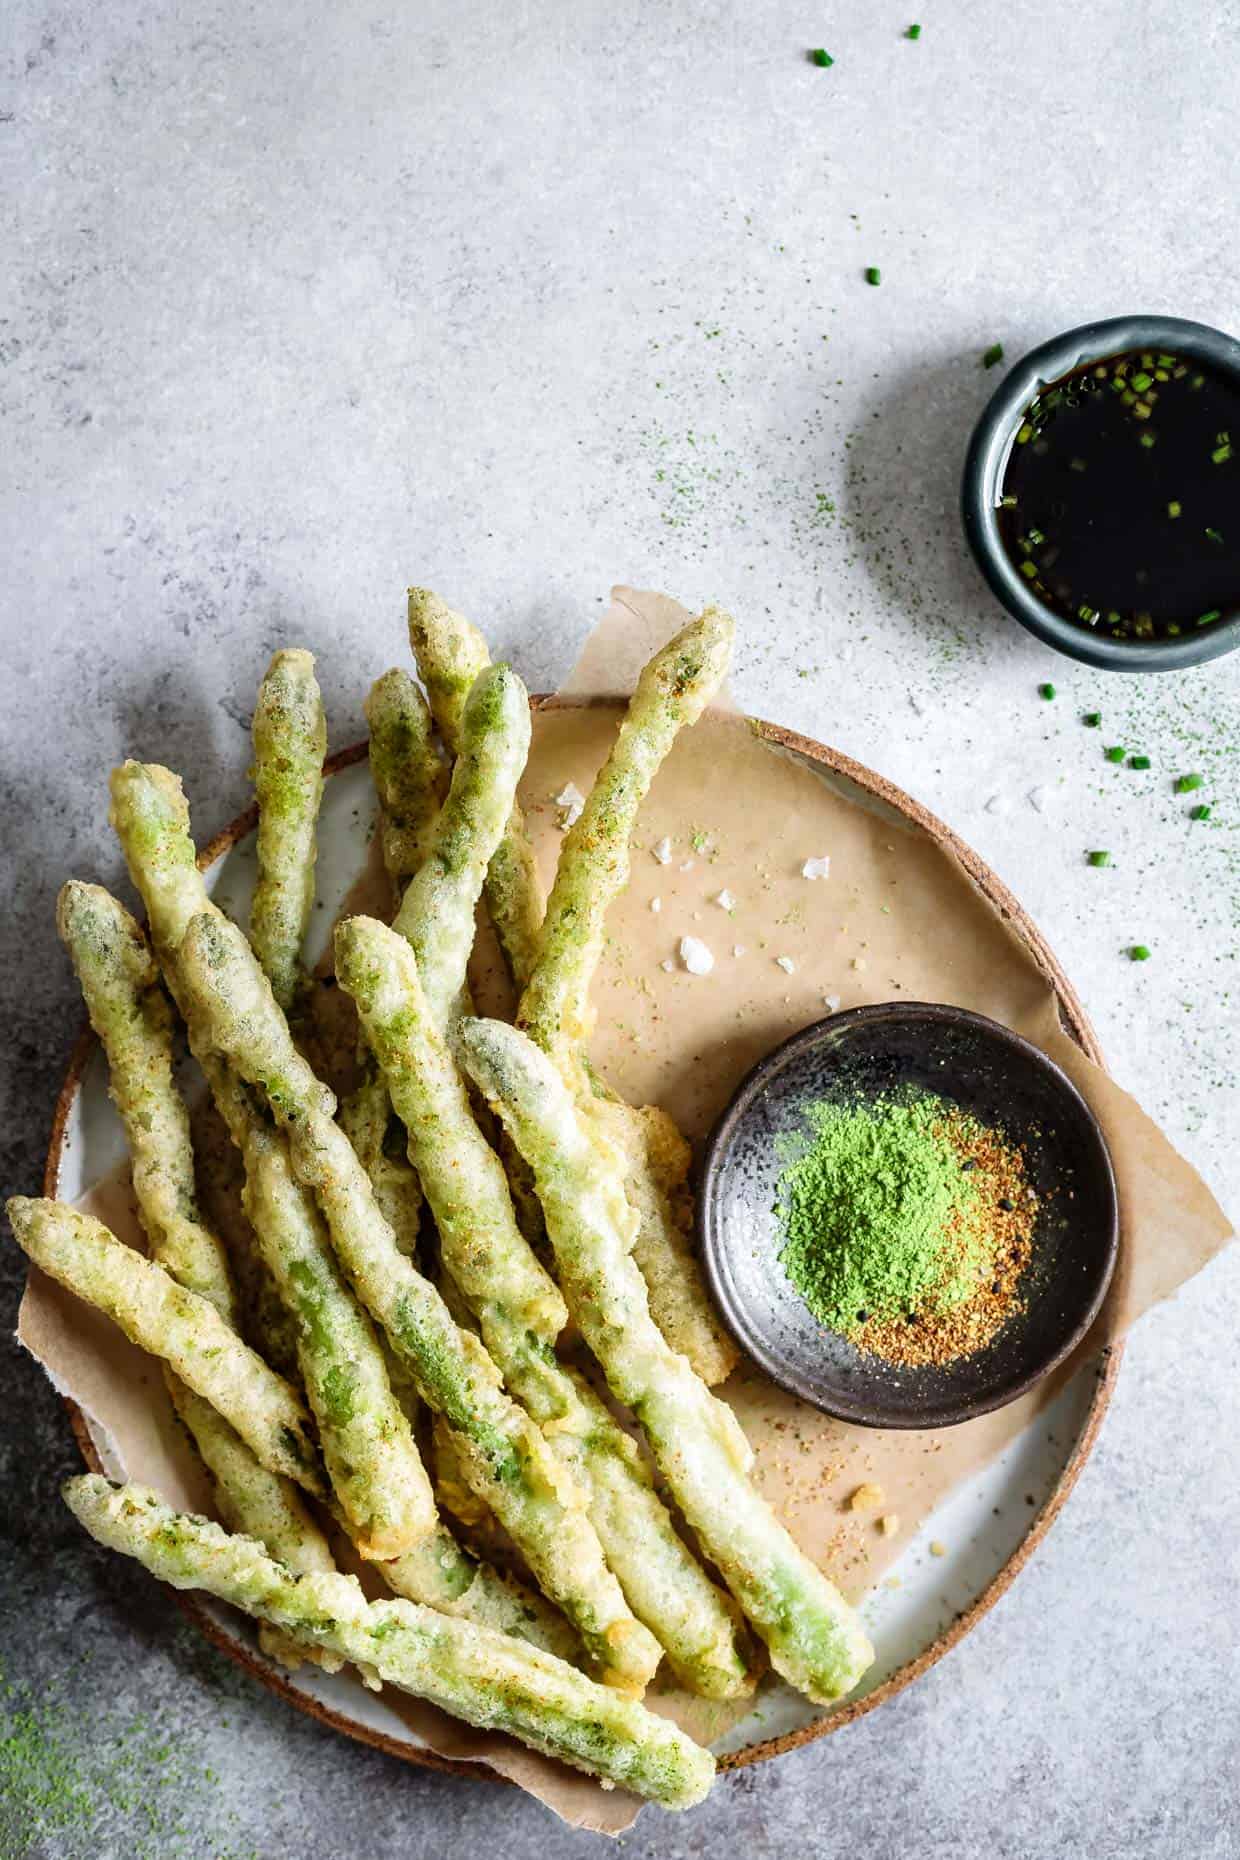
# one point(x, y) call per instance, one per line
point(299, 303)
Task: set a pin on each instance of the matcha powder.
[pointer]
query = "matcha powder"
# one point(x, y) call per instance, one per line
point(906, 1225)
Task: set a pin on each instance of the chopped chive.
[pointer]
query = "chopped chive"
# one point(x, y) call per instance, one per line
point(1198, 381)
point(1187, 784)
point(1115, 753)
point(914, 32)
point(1046, 691)
point(1138, 952)
point(1215, 613)
point(1141, 381)
point(1174, 509)
point(1130, 399)
point(1215, 536)
point(1024, 435)
point(1092, 719)
point(1009, 502)
point(1087, 613)
point(1139, 762)
point(821, 57)
point(1200, 812)
point(1147, 439)
point(1221, 454)
point(1029, 569)
point(873, 275)
point(1078, 465)
point(1142, 410)
point(1166, 361)
point(992, 355)
point(1099, 858)
point(1034, 538)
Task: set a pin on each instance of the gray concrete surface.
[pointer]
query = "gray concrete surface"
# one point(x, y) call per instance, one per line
point(299, 303)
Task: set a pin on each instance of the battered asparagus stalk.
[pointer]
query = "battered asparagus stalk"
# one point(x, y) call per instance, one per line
point(290, 741)
point(504, 1454)
point(815, 1639)
point(436, 914)
point(672, 692)
point(367, 1121)
point(180, 1326)
point(371, 1455)
point(409, 776)
point(488, 1679)
point(521, 1313)
point(133, 1019)
point(451, 654)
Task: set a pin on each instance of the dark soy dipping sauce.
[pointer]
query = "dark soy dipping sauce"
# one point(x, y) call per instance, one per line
point(1121, 496)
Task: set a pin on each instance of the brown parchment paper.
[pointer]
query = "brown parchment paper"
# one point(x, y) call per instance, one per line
point(898, 915)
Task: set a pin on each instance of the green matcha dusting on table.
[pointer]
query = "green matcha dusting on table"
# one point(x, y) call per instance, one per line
point(907, 1225)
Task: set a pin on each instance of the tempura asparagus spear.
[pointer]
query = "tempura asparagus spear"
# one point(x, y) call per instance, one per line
point(521, 1313)
point(815, 1639)
point(371, 1453)
point(367, 1121)
point(290, 741)
point(672, 692)
point(502, 1449)
point(485, 1678)
point(180, 1326)
point(436, 914)
point(451, 654)
point(409, 776)
point(133, 1019)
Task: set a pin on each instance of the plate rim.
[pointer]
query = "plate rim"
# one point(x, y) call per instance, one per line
point(1076, 1023)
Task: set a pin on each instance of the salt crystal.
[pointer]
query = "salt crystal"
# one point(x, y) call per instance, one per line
point(663, 851)
point(687, 866)
point(831, 1003)
point(656, 905)
point(571, 799)
point(738, 949)
point(786, 963)
point(816, 868)
point(667, 964)
point(725, 900)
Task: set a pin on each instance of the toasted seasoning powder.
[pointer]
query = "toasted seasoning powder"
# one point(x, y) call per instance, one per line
point(907, 1225)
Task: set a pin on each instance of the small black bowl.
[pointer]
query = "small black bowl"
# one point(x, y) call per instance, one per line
point(986, 462)
point(991, 1073)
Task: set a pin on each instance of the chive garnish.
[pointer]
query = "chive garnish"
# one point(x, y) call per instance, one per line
point(1138, 953)
point(1092, 719)
point(1116, 754)
point(1174, 509)
point(1029, 569)
point(1141, 381)
point(821, 57)
point(914, 32)
point(1200, 812)
point(1139, 762)
point(873, 275)
point(1215, 613)
point(1046, 691)
point(1186, 784)
point(1099, 858)
point(1147, 439)
point(1221, 454)
point(992, 355)
point(1024, 435)
point(1215, 536)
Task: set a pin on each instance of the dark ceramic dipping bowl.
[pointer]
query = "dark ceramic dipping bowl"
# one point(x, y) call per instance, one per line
point(989, 1072)
point(986, 463)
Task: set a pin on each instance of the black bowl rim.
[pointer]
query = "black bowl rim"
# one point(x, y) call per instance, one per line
point(987, 454)
point(949, 1413)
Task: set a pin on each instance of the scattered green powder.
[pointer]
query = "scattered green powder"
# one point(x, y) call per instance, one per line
point(875, 1209)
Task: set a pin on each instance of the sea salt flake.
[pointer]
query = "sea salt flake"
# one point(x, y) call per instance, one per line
point(816, 868)
point(725, 900)
point(786, 963)
point(656, 905)
point(859, 962)
point(695, 956)
point(663, 851)
point(831, 1003)
point(738, 949)
point(688, 865)
point(667, 964)
point(571, 799)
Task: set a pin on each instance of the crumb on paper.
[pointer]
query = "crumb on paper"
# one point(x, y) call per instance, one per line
point(738, 949)
point(667, 965)
point(831, 1003)
point(662, 850)
point(889, 1524)
point(816, 868)
point(688, 865)
point(656, 905)
point(571, 799)
point(859, 962)
point(937, 1547)
point(695, 956)
point(725, 900)
point(867, 1497)
point(786, 963)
